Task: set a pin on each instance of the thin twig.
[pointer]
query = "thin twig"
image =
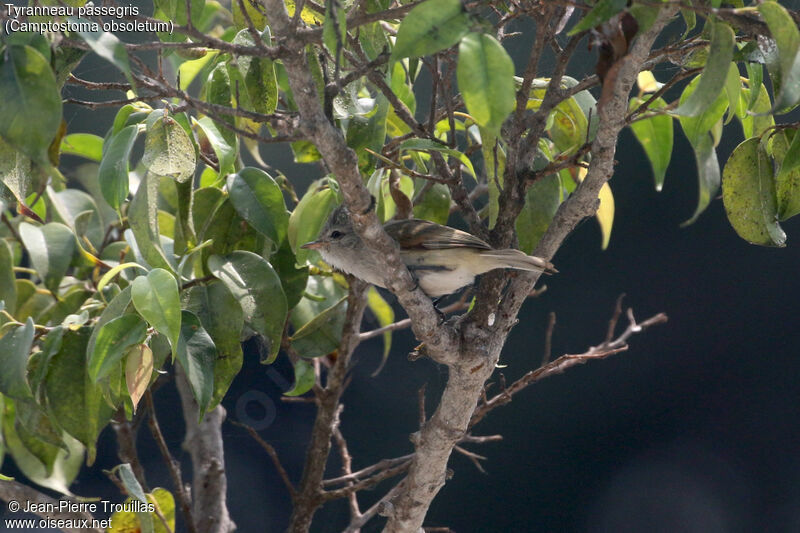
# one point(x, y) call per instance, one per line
point(548, 338)
point(601, 351)
point(273, 454)
point(173, 466)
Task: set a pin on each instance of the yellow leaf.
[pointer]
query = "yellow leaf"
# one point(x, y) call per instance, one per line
point(647, 82)
point(126, 521)
point(605, 212)
point(138, 370)
point(308, 16)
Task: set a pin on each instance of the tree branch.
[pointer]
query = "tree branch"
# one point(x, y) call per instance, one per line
point(23, 494)
point(309, 494)
point(203, 441)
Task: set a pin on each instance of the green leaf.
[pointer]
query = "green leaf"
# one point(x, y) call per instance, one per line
point(259, 200)
point(189, 70)
point(105, 45)
point(168, 151)
point(309, 216)
point(113, 341)
point(30, 103)
point(334, 28)
point(143, 221)
point(196, 353)
point(223, 319)
point(15, 174)
point(79, 211)
point(712, 79)
point(385, 315)
point(319, 317)
point(541, 202)
point(293, 279)
point(51, 248)
point(435, 204)
point(363, 133)
point(218, 91)
point(113, 172)
point(601, 12)
point(304, 378)
point(708, 176)
point(755, 77)
point(62, 470)
point(655, 134)
point(486, 79)
point(755, 123)
point(8, 288)
point(73, 400)
point(258, 74)
point(226, 153)
point(14, 349)
point(323, 333)
point(84, 145)
point(748, 193)
point(132, 487)
point(155, 297)
point(787, 38)
point(749, 196)
point(427, 144)
point(115, 308)
point(787, 180)
point(254, 9)
point(257, 288)
point(430, 27)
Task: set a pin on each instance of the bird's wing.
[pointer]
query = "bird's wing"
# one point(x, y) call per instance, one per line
point(415, 233)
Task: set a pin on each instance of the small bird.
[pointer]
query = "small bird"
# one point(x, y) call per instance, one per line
point(442, 259)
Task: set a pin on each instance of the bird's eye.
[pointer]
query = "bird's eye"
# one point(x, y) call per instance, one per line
point(336, 234)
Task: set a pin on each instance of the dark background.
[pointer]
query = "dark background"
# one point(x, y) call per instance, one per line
point(693, 429)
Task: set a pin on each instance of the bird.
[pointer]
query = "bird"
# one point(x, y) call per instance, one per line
point(441, 259)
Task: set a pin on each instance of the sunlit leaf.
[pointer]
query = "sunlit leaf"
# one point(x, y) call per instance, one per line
point(309, 216)
point(601, 12)
point(384, 314)
point(138, 369)
point(486, 79)
point(51, 248)
point(155, 297)
point(430, 27)
point(258, 75)
point(168, 151)
point(304, 378)
point(83, 144)
point(427, 144)
point(605, 213)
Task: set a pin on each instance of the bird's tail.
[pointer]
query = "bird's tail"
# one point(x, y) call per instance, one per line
point(516, 259)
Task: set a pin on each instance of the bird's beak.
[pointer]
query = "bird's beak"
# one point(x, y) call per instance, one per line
point(313, 245)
